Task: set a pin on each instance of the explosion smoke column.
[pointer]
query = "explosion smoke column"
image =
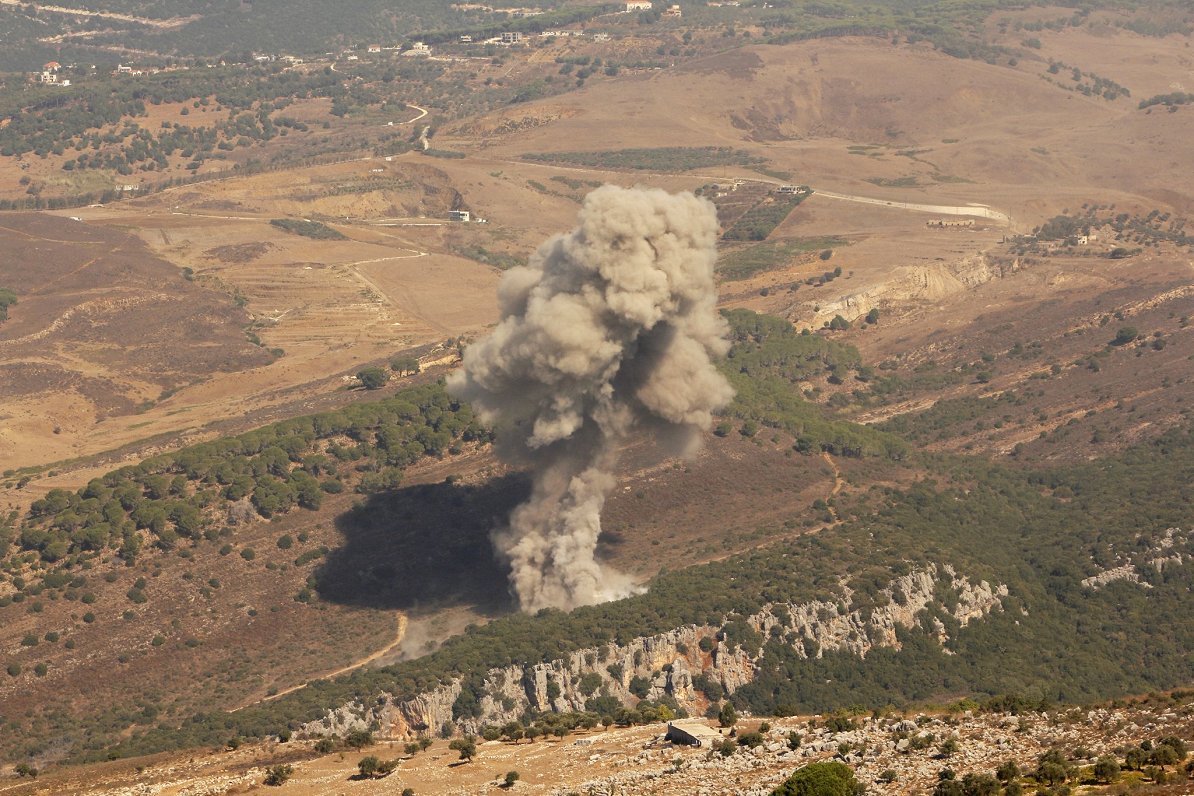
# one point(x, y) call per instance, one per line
point(610, 331)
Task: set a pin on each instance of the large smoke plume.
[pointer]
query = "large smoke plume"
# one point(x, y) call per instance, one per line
point(608, 333)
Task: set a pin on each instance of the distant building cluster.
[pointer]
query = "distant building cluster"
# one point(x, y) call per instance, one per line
point(50, 77)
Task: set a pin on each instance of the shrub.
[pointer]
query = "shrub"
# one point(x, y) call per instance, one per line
point(277, 775)
point(359, 739)
point(1106, 769)
point(820, 779)
point(727, 716)
point(373, 378)
point(1125, 335)
point(751, 739)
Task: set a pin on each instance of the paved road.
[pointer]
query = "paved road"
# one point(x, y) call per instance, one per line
point(981, 211)
point(978, 210)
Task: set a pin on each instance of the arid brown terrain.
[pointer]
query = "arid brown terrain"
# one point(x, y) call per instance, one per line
point(184, 315)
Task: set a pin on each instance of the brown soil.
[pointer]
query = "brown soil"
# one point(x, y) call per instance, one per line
point(101, 327)
point(108, 300)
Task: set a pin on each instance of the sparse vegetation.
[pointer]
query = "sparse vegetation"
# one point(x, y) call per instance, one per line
point(1171, 100)
point(278, 775)
point(655, 159)
point(743, 263)
point(7, 299)
point(308, 229)
point(105, 560)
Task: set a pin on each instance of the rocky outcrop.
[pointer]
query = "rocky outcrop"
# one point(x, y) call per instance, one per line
point(859, 631)
point(1173, 549)
point(667, 664)
point(919, 284)
point(1123, 572)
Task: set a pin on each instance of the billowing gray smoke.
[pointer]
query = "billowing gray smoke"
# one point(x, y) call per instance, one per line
point(608, 333)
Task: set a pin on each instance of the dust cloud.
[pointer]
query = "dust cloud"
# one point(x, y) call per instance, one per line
point(608, 334)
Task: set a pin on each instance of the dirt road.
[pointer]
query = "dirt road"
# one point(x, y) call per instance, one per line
point(172, 22)
point(399, 637)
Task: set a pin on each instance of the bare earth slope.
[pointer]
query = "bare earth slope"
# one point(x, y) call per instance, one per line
point(102, 326)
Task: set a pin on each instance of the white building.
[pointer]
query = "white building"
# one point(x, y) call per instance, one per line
point(637, 5)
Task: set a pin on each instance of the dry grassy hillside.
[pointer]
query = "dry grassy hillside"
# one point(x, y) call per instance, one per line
point(102, 329)
point(135, 329)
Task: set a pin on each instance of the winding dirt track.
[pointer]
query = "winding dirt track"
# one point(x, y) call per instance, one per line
point(399, 636)
point(837, 484)
point(172, 22)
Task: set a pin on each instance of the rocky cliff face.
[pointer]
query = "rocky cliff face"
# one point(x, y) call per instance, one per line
point(919, 284)
point(666, 664)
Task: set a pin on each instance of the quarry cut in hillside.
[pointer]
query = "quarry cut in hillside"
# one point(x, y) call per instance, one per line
point(918, 285)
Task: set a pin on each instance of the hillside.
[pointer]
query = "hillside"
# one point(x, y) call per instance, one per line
point(244, 521)
point(891, 752)
point(902, 571)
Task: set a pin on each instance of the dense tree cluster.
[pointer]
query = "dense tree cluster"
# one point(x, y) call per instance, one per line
point(290, 464)
point(769, 359)
point(53, 122)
